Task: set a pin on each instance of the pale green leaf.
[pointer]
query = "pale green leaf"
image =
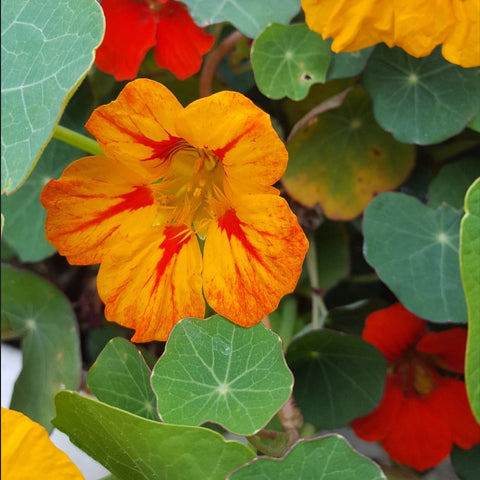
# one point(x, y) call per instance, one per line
point(421, 100)
point(121, 378)
point(287, 60)
point(414, 250)
point(134, 448)
point(37, 311)
point(324, 458)
point(248, 16)
point(47, 48)
point(214, 370)
point(470, 270)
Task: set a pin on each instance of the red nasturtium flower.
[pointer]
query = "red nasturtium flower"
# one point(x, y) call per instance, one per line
point(171, 174)
point(425, 409)
point(133, 27)
point(417, 26)
point(28, 452)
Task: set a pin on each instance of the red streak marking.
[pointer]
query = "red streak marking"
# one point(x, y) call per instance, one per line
point(221, 152)
point(230, 223)
point(140, 197)
point(160, 149)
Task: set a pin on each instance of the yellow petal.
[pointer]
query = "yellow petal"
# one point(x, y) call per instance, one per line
point(253, 256)
point(138, 127)
point(241, 135)
point(153, 282)
point(28, 452)
point(95, 202)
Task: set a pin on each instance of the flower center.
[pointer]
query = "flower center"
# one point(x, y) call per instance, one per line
point(416, 372)
point(191, 189)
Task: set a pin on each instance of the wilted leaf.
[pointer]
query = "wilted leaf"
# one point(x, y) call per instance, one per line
point(36, 310)
point(414, 249)
point(134, 448)
point(344, 158)
point(214, 370)
point(421, 100)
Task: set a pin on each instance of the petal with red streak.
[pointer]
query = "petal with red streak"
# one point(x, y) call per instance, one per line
point(252, 257)
point(95, 203)
point(449, 346)
point(138, 127)
point(153, 282)
point(393, 329)
point(240, 135)
point(129, 35)
point(180, 42)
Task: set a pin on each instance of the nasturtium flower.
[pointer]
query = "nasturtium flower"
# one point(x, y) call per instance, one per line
point(416, 26)
point(133, 27)
point(175, 181)
point(28, 452)
point(425, 409)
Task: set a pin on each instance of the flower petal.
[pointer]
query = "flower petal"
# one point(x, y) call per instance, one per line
point(153, 282)
point(241, 135)
point(393, 329)
point(449, 346)
point(95, 202)
point(28, 452)
point(121, 54)
point(138, 127)
point(180, 42)
point(252, 257)
point(463, 426)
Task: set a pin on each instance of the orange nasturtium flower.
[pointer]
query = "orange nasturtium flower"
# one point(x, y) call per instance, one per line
point(133, 27)
point(425, 409)
point(169, 175)
point(28, 452)
point(417, 26)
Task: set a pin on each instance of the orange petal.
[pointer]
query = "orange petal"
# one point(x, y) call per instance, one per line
point(241, 135)
point(154, 281)
point(28, 452)
point(392, 330)
point(121, 54)
point(138, 127)
point(95, 202)
point(180, 43)
point(449, 346)
point(252, 257)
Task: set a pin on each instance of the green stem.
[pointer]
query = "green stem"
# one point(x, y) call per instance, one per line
point(77, 140)
point(319, 310)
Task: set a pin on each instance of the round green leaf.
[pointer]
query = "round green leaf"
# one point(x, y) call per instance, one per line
point(329, 457)
point(287, 60)
point(134, 448)
point(213, 370)
point(475, 123)
point(452, 182)
point(121, 378)
point(414, 250)
point(344, 158)
point(248, 16)
point(47, 48)
point(466, 462)
point(470, 271)
point(36, 310)
point(347, 64)
point(421, 100)
point(337, 377)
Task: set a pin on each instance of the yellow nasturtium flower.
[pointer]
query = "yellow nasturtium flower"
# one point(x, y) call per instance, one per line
point(417, 26)
point(176, 182)
point(28, 452)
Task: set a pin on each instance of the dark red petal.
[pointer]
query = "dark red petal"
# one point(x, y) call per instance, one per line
point(393, 329)
point(129, 34)
point(180, 42)
point(448, 345)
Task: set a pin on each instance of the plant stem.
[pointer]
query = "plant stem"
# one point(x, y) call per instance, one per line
point(77, 140)
point(319, 310)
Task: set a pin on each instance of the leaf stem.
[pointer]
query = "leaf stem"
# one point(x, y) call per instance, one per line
point(77, 140)
point(319, 310)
